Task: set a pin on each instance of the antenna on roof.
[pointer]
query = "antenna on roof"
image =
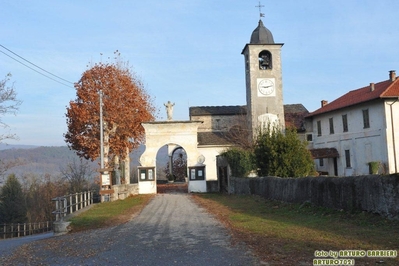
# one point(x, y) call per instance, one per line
point(260, 10)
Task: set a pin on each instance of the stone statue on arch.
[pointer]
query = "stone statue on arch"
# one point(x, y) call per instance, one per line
point(169, 110)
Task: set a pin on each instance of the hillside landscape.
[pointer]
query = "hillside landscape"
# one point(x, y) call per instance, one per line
point(39, 161)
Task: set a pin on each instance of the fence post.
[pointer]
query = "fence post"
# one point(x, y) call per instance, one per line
point(76, 202)
point(70, 203)
point(84, 199)
point(57, 208)
point(65, 206)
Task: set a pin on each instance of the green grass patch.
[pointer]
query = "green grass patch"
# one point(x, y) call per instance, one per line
point(303, 229)
point(109, 213)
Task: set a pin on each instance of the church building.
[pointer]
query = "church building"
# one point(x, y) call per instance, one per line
point(212, 129)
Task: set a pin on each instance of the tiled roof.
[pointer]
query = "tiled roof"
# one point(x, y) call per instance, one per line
point(324, 153)
point(294, 116)
point(213, 138)
point(295, 108)
point(384, 89)
point(218, 110)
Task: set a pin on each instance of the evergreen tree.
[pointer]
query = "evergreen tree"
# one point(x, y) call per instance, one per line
point(283, 155)
point(12, 202)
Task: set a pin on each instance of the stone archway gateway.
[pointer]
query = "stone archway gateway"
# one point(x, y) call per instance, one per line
point(174, 134)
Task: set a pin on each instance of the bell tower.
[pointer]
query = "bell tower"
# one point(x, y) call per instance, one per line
point(263, 75)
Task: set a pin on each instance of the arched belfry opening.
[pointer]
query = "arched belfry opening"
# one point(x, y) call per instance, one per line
point(265, 60)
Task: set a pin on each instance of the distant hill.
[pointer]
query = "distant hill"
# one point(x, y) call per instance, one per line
point(39, 161)
point(4, 146)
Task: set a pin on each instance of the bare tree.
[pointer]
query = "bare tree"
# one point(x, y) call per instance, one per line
point(8, 104)
point(78, 175)
point(6, 165)
point(239, 134)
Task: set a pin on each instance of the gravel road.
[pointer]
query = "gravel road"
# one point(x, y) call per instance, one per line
point(171, 230)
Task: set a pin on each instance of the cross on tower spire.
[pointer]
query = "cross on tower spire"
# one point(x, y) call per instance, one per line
point(260, 10)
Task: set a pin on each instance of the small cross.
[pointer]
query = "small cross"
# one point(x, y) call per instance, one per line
point(260, 10)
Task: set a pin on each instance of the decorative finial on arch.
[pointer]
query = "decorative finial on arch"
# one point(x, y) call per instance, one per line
point(261, 15)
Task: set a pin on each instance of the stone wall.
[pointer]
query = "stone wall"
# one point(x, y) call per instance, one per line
point(123, 191)
point(372, 193)
point(212, 186)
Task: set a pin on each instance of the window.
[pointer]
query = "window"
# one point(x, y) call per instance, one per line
point(331, 121)
point(197, 173)
point(309, 137)
point(366, 119)
point(345, 122)
point(348, 158)
point(265, 60)
point(321, 162)
point(319, 128)
point(146, 174)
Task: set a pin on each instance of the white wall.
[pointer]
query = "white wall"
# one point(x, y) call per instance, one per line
point(365, 144)
point(210, 154)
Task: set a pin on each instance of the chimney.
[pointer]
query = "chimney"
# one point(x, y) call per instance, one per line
point(392, 75)
point(371, 87)
point(324, 103)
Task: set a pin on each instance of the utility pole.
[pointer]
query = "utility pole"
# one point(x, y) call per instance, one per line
point(101, 131)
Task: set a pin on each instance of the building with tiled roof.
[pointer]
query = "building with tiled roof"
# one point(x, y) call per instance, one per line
point(217, 121)
point(356, 129)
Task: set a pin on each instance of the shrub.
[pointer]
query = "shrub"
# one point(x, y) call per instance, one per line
point(240, 161)
point(283, 155)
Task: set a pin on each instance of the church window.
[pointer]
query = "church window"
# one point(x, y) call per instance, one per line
point(265, 60)
point(217, 124)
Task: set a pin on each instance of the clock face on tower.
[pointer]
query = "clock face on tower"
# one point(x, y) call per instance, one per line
point(266, 87)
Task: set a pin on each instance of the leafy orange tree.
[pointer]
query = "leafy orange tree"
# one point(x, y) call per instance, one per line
point(125, 105)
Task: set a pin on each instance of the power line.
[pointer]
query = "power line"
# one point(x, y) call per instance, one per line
point(63, 83)
point(36, 70)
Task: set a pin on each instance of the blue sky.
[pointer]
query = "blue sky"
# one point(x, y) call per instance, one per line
point(189, 52)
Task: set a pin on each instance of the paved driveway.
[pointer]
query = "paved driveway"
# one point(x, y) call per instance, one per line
point(171, 230)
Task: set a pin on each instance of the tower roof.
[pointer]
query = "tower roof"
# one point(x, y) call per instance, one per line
point(261, 35)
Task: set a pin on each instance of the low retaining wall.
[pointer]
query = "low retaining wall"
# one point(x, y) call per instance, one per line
point(374, 193)
point(123, 191)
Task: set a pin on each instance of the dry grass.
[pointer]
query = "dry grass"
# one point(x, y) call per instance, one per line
point(110, 213)
point(289, 234)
